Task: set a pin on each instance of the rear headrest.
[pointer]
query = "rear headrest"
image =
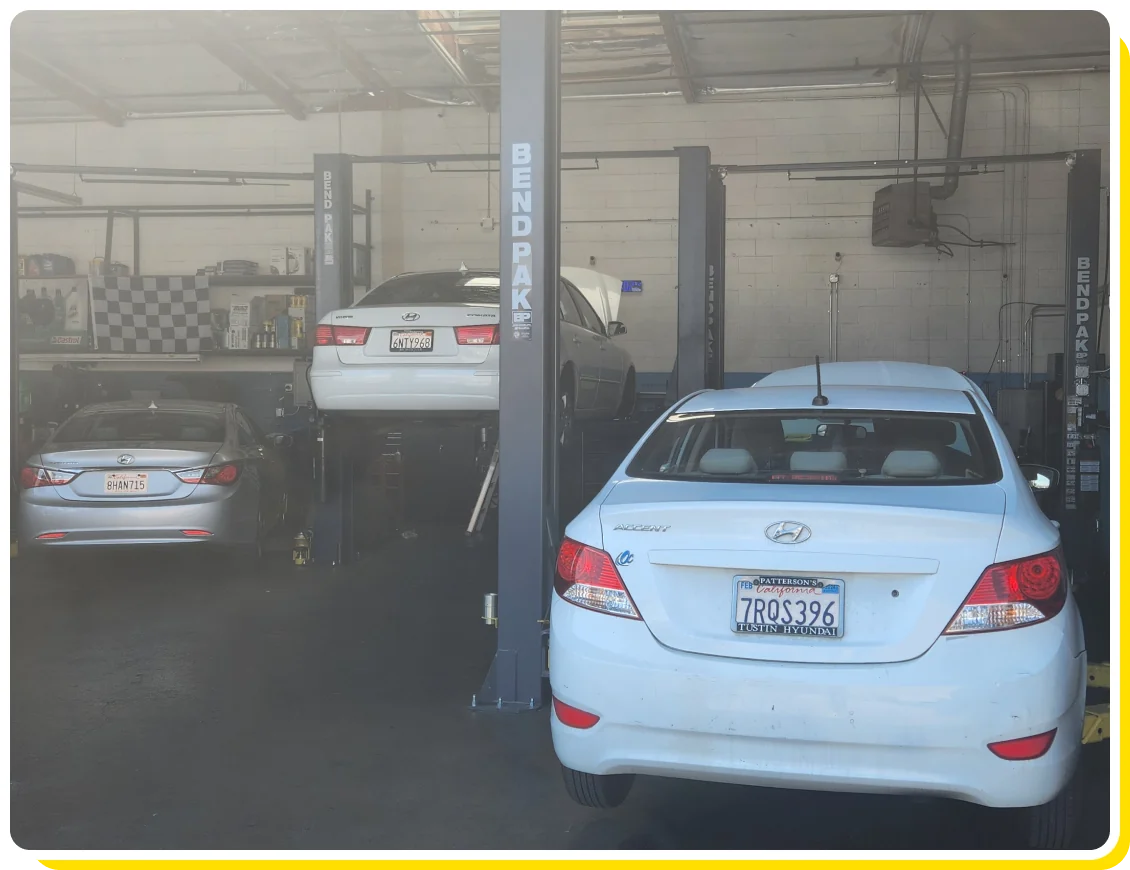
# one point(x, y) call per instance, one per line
point(912, 463)
point(726, 460)
point(818, 460)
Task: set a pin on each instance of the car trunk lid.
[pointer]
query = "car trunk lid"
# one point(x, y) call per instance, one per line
point(111, 473)
point(903, 557)
point(441, 321)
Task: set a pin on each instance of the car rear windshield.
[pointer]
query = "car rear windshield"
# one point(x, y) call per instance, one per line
point(110, 426)
point(435, 288)
point(864, 447)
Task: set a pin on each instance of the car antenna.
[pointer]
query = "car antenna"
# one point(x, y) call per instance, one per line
point(821, 400)
point(152, 405)
point(462, 267)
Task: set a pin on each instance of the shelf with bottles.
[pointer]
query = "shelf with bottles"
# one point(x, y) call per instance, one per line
point(53, 313)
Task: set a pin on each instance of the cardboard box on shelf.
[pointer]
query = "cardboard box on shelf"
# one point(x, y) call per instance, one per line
point(239, 315)
point(268, 307)
point(291, 260)
point(237, 338)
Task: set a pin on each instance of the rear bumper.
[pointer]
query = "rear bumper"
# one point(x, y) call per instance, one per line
point(920, 726)
point(226, 517)
point(405, 388)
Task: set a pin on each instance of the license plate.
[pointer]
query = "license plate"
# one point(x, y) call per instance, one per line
point(411, 340)
point(794, 606)
point(131, 484)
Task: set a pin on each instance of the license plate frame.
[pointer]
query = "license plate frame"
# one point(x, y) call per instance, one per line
point(786, 588)
point(139, 479)
point(426, 346)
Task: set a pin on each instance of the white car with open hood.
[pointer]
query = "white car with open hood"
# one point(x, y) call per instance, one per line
point(860, 595)
point(429, 342)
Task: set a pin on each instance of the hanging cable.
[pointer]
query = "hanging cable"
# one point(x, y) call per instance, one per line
point(974, 243)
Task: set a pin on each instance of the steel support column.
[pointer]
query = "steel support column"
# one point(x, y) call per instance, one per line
point(694, 187)
point(716, 280)
point(529, 257)
point(1080, 490)
point(14, 335)
point(333, 232)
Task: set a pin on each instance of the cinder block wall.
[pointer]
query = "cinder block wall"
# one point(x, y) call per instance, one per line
point(782, 233)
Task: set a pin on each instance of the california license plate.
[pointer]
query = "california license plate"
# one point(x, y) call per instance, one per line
point(795, 606)
point(411, 340)
point(132, 483)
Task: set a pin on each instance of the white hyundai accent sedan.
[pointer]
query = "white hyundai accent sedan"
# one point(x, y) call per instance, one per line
point(856, 596)
point(428, 342)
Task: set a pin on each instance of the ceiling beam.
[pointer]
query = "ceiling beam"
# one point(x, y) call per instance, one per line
point(354, 62)
point(47, 193)
point(445, 42)
point(239, 61)
point(66, 88)
point(675, 45)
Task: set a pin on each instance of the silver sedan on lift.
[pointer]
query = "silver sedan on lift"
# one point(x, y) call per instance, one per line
point(147, 473)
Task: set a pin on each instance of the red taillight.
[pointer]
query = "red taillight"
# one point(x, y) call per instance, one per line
point(1012, 594)
point(1023, 748)
point(219, 475)
point(573, 717)
point(32, 477)
point(50, 536)
point(586, 577)
point(476, 334)
point(352, 336)
point(195, 533)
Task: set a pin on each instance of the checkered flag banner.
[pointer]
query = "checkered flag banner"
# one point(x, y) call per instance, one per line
point(151, 315)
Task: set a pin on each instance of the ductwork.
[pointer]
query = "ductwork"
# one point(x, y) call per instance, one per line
point(961, 80)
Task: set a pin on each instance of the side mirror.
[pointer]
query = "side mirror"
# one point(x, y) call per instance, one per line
point(280, 439)
point(1040, 477)
point(616, 328)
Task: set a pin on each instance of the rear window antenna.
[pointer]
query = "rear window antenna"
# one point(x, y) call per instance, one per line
point(821, 400)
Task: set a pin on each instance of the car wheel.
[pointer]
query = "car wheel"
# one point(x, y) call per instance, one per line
point(598, 792)
point(253, 551)
point(628, 400)
point(566, 416)
point(1052, 825)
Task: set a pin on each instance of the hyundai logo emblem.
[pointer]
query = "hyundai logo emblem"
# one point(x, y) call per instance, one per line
point(788, 532)
point(411, 315)
point(125, 459)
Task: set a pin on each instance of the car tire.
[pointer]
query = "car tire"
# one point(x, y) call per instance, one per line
point(1052, 825)
point(253, 552)
point(628, 400)
point(595, 791)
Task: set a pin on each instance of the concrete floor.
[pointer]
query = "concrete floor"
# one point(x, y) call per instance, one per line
point(179, 702)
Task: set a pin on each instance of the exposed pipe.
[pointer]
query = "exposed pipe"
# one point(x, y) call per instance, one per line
point(962, 71)
point(776, 89)
point(849, 165)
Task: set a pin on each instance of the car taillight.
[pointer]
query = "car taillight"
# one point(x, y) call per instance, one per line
point(572, 716)
point(32, 477)
point(586, 577)
point(218, 475)
point(327, 335)
point(476, 334)
point(1012, 594)
point(1023, 748)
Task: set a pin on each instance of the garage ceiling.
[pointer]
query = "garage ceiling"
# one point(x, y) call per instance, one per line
point(122, 66)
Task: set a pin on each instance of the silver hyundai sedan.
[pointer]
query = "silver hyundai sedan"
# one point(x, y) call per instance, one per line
point(162, 472)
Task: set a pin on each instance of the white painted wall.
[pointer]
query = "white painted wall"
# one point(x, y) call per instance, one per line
point(782, 234)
